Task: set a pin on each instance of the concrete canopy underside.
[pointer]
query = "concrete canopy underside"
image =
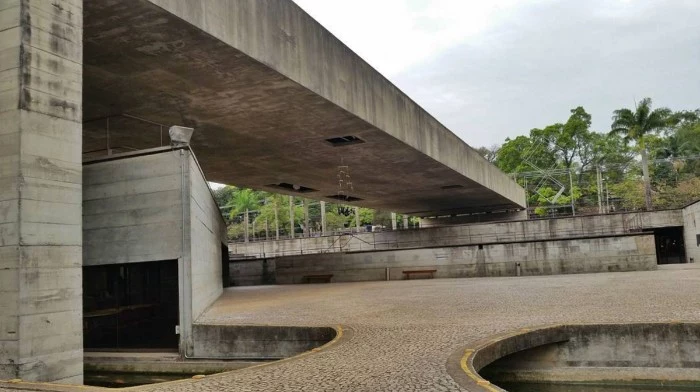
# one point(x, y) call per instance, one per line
point(265, 86)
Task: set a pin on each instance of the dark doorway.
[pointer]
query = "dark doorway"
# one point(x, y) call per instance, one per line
point(131, 306)
point(669, 245)
point(225, 266)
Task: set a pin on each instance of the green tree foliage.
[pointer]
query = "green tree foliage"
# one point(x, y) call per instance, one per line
point(635, 126)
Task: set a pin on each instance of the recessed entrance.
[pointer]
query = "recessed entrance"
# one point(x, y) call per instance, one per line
point(131, 306)
point(669, 245)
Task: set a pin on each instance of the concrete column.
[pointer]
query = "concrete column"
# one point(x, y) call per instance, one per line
point(323, 218)
point(305, 206)
point(405, 221)
point(357, 219)
point(291, 216)
point(41, 325)
point(393, 221)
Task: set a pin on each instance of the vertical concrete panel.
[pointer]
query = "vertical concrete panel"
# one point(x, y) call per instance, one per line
point(691, 232)
point(41, 178)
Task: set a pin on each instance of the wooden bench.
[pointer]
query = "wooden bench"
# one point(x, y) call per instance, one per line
point(318, 278)
point(408, 273)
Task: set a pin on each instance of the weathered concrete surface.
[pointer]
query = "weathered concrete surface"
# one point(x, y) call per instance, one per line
point(40, 190)
point(609, 254)
point(469, 234)
point(252, 272)
point(261, 81)
point(590, 353)
point(132, 209)
point(403, 332)
point(257, 342)
point(691, 232)
point(158, 363)
point(157, 206)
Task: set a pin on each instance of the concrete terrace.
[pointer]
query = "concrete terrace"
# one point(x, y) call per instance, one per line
point(399, 335)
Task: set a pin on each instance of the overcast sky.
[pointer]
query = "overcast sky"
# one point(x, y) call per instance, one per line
point(489, 69)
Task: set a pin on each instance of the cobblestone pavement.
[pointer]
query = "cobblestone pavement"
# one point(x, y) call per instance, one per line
point(404, 331)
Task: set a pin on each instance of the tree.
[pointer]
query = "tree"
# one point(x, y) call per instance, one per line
point(489, 153)
point(243, 201)
point(566, 140)
point(635, 126)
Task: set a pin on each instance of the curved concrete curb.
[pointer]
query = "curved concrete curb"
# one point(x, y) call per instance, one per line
point(464, 364)
point(342, 334)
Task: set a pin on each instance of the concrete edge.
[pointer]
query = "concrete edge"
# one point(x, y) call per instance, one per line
point(343, 334)
point(461, 363)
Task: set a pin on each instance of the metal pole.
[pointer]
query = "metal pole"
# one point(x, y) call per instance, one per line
point(305, 206)
point(600, 191)
point(277, 222)
point(267, 231)
point(291, 216)
point(571, 184)
point(245, 224)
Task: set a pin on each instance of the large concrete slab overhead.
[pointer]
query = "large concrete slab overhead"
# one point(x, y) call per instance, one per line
point(265, 86)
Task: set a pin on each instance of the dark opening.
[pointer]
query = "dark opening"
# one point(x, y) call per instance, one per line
point(292, 187)
point(344, 198)
point(130, 306)
point(225, 273)
point(344, 141)
point(669, 245)
point(455, 186)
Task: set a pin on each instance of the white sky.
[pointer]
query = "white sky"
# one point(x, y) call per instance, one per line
point(492, 69)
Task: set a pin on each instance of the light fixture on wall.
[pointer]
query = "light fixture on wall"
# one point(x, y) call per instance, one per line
point(180, 136)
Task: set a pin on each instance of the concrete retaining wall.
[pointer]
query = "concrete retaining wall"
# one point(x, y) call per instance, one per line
point(588, 353)
point(252, 272)
point(620, 253)
point(231, 342)
point(691, 232)
point(468, 234)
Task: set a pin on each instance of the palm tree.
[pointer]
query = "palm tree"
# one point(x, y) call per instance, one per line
point(634, 126)
point(243, 201)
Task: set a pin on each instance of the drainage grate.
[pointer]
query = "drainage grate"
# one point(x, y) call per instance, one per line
point(344, 198)
point(344, 141)
point(292, 187)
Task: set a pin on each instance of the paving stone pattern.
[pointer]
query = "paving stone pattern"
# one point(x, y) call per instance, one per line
point(402, 332)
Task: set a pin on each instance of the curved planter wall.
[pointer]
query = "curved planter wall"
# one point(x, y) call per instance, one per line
point(620, 353)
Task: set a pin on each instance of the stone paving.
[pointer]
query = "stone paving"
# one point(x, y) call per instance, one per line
point(402, 332)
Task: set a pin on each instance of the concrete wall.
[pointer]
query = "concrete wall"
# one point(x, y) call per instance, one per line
point(476, 233)
point(157, 206)
point(252, 272)
point(207, 234)
point(40, 190)
point(473, 218)
point(282, 36)
point(691, 232)
point(132, 210)
point(607, 352)
point(620, 253)
point(257, 342)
